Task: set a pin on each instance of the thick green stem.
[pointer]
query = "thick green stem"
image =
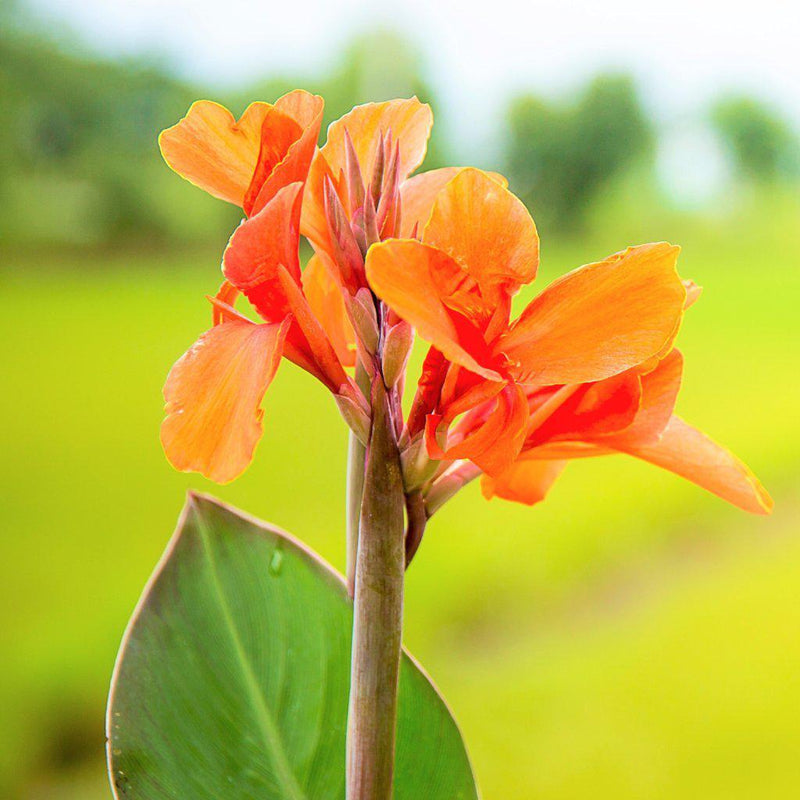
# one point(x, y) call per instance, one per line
point(356, 458)
point(378, 614)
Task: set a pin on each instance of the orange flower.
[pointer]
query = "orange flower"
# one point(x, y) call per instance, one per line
point(587, 369)
point(214, 391)
point(359, 191)
point(629, 413)
point(455, 286)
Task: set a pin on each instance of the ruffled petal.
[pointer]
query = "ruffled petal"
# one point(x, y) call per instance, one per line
point(524, 481)
point(213, 394)
point(689, 453)
point(213, 150)
point(487, 230)
point(599, 320)
point(406, 275)
point(418, 194)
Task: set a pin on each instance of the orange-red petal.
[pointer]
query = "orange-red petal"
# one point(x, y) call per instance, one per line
point(659, 393)
point(213, 396)
point(689, 453)
point(405, 274)
point(213, 150)
point(418, 194)
point(495, 444)
point(599, 320)
point(595, 409)
point(284, 160)
point(485, 229)
point(259, 246)
point(525, 481)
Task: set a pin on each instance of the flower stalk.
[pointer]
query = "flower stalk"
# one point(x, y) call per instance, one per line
point(378, 611)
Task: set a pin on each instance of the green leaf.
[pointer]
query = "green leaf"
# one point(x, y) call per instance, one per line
point(232, 680)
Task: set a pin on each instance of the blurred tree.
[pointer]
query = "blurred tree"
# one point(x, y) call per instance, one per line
point(80, 160)
point(760, 143)
point(559, 157)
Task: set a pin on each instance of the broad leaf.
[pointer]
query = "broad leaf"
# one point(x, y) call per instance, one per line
point(232, 680)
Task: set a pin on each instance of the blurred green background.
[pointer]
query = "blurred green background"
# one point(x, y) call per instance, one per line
point(633, 637)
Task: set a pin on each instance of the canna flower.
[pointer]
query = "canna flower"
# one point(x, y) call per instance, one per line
point(632, 413)
point(359, 191)
point(455, 286)
point(214, 391)
point(588, 368)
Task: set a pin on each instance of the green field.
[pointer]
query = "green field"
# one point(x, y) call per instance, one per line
point(631, 638)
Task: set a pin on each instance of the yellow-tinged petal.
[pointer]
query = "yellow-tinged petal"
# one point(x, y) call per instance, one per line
point(487, 230)
point(402, 272)
point(213, 394)
point(689, 453)
point(325, 298)
point(409, 122)
point(526, 481)
point(600, 319)
point(213, 150)
point(418, 194)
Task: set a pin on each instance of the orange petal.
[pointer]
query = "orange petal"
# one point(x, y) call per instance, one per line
point(402, 273)
point(280, 167)
point(214, 151)
point(213, 394)
point(410, 124)
point(689, 453)
point(524, 481)
point(418, 194)
point(487, 230)
point(278, 133)
point(259, 246)
point(325, 298)
point(659, 393)
point(600, 319)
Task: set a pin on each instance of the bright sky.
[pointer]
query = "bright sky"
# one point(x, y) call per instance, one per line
point(478, 51)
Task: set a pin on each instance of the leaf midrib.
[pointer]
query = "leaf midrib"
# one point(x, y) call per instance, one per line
point(269, 729)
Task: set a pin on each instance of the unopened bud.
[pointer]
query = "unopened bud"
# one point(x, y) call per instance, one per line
point(417, 466)
point(356, 418)
point(396, 350)
point(361, 309)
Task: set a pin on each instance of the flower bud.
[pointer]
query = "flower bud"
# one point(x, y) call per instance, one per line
point(396, 350)
point(361, 309)
point(356, 418)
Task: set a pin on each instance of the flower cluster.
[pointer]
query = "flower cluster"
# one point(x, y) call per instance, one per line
point(588, 368)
